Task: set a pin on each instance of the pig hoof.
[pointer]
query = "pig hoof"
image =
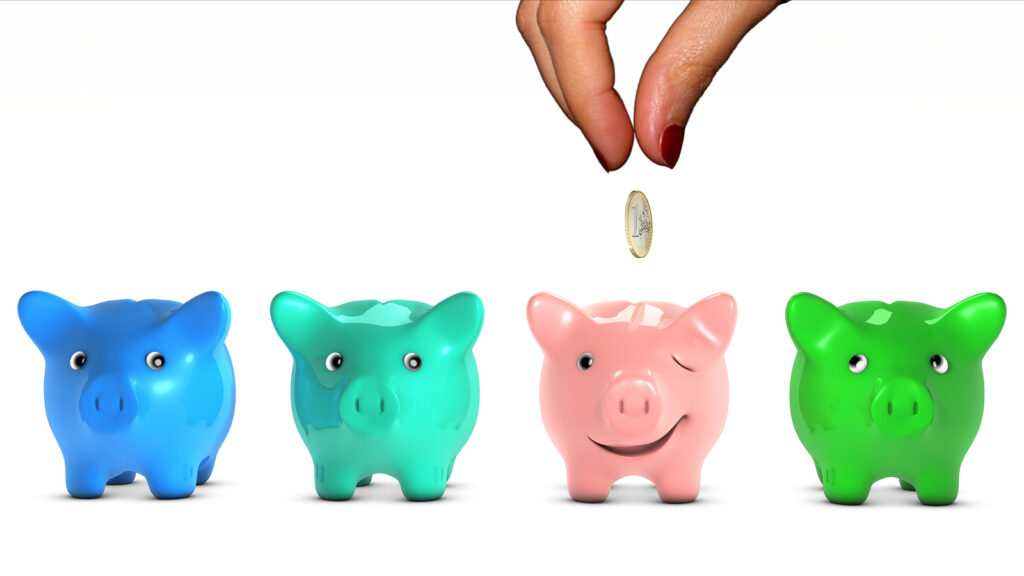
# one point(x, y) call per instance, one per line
point(906, 485)
point(205, 470)
point(940, 501)
point(426, 496)
point(84, 481)
point(164, 490)
point(671, 496)
point(588, 498)
point(85, 493)
point(335, 492)
point(937, 498)
point(848, 499)
point(172, 493)
point(937, 491)
point(422, 492)
point(365, 481)
point(589, 495)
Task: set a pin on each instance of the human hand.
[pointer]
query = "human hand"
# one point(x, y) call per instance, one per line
point(568, 42)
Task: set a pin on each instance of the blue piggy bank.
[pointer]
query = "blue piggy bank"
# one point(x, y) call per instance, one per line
point(135, 387)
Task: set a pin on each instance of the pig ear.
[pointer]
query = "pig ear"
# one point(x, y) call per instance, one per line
point(977, 321)
point(205, 318)
point(299, 319)
point(702, 334)
point(47, 317)
point(456, 321)
point(555, 322)
point(814, 321)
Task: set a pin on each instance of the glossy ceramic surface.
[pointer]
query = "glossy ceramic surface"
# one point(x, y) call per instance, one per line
point(382, 387)
point(135, 387)
point(633, 389)
point(881, 390)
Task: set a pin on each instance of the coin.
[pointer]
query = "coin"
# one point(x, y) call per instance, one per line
point(639, 225)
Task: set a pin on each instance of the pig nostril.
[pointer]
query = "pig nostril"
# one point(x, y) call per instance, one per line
point(120, 405)
point(96, 403)
point(915, 408)
point(622, 407)
point(357, 404)
point(647, 406)
point(381, 405)
point(889, 408)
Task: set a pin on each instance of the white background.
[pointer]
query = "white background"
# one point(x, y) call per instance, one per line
point(859, 151)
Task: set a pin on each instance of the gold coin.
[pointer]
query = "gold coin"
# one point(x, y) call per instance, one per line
point(639, 224)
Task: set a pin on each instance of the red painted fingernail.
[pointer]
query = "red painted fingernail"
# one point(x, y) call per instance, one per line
point(600, 159)
point(671, 144)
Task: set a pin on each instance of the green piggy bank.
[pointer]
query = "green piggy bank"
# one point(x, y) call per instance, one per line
point(881, 390)
point(382, 387)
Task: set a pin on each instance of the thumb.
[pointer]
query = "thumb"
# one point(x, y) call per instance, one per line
point(679, 71)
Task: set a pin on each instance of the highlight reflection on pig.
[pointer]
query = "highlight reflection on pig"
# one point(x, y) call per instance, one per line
point(633, 389)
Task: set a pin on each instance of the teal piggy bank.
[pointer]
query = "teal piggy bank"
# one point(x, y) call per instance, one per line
point(382, 387)
point(881, 390)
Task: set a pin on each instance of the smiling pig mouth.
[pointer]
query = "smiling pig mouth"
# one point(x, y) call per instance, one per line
point(640, 449)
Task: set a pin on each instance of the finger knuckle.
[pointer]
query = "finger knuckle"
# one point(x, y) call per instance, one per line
point(526, 18)
point(553, 17)
point(695, 74)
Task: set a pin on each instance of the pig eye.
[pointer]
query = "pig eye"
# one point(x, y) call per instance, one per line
point(334, 361)
point(939, 364)
point(412, 361)
point(585, 361)
point(77, 360)
point(155, 360)
point(858, 363)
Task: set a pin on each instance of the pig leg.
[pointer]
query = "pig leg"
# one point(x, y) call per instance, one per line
point(334, 482)
point(167, 482)
point(938, 487)
point(85, 479)
point(422, 483)
point(847, 484)
point(679, 484)
point(365, 481)
point(587, 485)
point(906, 485)
point(121, 479)
point(451, 466)
point(205, 469)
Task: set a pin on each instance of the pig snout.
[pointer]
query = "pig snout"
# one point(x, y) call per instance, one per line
point(632, 406)
point(902, 407)
point(369, 405)
point(108, 403)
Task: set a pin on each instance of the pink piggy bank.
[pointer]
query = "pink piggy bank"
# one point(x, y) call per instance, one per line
point(633, 389)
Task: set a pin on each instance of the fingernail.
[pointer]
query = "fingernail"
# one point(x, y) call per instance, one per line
point(600, 159)
point(671, 144)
